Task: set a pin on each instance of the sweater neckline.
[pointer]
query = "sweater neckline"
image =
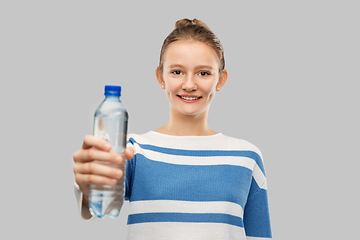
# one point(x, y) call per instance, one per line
point(179, 137)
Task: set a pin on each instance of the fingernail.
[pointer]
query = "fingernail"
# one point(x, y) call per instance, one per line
point(118, 174)
point(118, 159)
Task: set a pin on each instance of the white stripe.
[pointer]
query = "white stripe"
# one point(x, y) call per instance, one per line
point(156, 206)
point(259, 177)
point(218, 141)
point(188, 231)
point(189, 160)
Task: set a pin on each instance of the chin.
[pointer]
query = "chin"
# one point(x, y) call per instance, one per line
point(193, 113)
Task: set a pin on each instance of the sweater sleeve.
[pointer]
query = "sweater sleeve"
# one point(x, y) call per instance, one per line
point(84, 210)
point(256, 213)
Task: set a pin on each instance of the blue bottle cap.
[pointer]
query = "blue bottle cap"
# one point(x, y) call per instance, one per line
point(112, 90)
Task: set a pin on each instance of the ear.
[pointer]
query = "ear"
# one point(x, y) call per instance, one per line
point(222, 80)
point(160, 78)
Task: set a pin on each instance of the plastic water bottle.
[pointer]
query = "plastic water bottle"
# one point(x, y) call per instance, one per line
point(110, 123)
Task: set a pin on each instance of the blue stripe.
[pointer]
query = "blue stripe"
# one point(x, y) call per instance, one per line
point(153, 180)
point(204, 153)
point(186, 217)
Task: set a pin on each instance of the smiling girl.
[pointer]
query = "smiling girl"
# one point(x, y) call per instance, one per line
point(184, 180)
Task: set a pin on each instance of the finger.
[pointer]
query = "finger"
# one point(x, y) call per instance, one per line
point(92, 154)
point(129, 153)
point(93, 168)
point(95, 179)
point(92, 141)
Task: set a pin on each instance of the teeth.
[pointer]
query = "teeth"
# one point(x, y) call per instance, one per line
point(189, 98)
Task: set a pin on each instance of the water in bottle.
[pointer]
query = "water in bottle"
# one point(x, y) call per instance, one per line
point(110, 123)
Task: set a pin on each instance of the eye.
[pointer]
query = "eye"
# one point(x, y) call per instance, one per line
point(204, 73)
point(176, 72)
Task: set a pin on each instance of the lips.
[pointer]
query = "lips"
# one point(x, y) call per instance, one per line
point(189, 98)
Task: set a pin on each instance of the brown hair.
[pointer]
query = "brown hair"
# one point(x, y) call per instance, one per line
point(196, 30)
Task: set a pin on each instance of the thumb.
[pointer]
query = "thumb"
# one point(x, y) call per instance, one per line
point(129, 153)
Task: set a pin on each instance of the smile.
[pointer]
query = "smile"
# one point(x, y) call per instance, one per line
point(188, 98)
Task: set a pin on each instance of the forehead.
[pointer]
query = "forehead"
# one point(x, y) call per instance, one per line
point(190, 52)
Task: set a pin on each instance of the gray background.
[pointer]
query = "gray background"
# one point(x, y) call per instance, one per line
point(291, 91)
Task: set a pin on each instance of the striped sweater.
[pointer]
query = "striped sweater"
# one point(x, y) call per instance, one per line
point(196, 187)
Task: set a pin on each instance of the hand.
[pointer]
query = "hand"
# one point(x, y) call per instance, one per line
point(88, 171)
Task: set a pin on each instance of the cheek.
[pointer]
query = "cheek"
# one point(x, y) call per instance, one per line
point(209, 89)
point(170, 91)
point(171, 87)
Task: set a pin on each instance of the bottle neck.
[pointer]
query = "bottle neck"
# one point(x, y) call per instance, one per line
point(112, 98)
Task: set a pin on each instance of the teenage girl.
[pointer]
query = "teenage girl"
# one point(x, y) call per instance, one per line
point(184, 180)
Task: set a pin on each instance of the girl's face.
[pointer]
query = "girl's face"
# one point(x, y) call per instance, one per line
point(190, 76)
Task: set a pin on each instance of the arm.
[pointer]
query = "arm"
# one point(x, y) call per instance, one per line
point(256, 216)
point(256, 213)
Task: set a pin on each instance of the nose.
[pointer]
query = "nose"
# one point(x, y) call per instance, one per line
point(189, 84)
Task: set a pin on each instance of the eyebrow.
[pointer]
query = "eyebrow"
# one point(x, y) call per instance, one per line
point(197, 67)
point(204, 66)
point(176, 66)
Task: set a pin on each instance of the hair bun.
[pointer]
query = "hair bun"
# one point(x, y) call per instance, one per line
point(185, 22)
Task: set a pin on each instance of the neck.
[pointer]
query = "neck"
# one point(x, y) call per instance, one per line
point(187, 125)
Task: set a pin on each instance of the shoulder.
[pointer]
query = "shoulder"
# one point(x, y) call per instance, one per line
point(232, 143)
point(248, 150)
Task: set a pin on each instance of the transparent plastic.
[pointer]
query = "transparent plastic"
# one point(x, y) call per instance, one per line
point(110, 123)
